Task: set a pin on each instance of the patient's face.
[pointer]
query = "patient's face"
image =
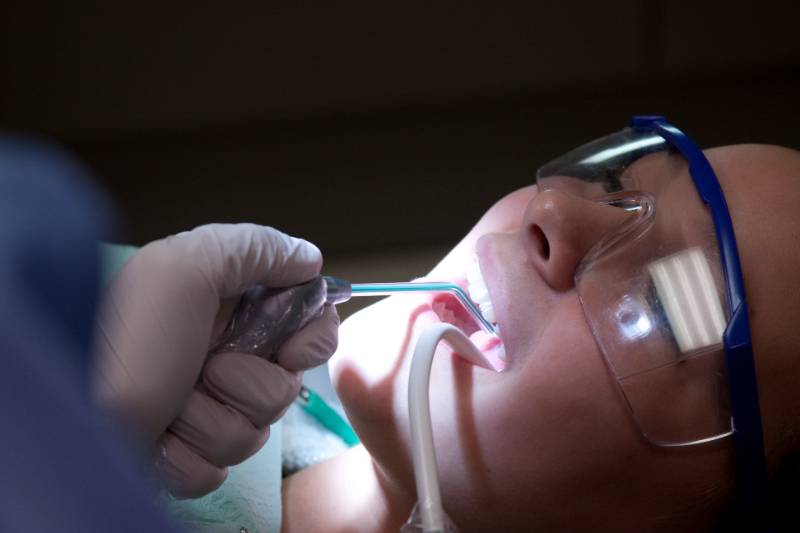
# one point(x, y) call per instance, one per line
point(548, 443)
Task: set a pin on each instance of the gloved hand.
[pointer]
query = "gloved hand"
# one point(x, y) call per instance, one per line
point(162, 313)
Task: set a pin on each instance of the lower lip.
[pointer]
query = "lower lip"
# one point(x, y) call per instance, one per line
point(492, 348)
point(485, 341)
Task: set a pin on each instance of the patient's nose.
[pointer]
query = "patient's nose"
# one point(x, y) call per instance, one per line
point(559, 229)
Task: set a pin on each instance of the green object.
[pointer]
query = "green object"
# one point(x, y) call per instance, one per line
point(112, 258)
point(312, 404)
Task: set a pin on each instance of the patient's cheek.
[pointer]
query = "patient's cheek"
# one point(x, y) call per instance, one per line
point(504, 216)
point(368, 366)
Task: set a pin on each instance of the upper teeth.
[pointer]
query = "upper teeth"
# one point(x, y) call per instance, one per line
point(478, 291)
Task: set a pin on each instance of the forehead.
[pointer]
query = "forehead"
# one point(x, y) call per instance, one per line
point(657, 173)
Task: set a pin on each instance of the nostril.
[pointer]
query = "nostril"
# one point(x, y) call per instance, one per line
point(540, 240)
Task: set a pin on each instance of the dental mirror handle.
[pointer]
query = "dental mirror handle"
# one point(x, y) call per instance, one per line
point(265, 318)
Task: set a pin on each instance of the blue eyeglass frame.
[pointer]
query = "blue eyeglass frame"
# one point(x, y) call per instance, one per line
point(748, 439)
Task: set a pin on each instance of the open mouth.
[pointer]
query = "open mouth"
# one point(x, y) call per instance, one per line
point(450, 310)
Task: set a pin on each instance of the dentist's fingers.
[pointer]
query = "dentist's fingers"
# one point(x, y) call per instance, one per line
point(313, 345)
point(218, 433)
point(260, 390)
point(184, 473)
point(238, 256)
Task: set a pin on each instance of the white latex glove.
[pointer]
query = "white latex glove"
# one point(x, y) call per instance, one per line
point(162, 313)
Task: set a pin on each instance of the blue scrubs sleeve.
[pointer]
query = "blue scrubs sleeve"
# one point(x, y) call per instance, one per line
point(62, 468)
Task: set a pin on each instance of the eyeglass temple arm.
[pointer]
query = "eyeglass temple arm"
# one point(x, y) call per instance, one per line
point(748, 435)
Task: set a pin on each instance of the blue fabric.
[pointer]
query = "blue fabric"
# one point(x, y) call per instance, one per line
point(61, 469)
point(50, 220)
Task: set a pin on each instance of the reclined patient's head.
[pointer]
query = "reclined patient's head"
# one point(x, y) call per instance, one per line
point(549, 443)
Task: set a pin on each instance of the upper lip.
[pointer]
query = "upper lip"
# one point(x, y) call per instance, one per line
point(490, 278)
point(508, 274)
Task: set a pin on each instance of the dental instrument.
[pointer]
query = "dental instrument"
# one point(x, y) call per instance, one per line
point(266, 318)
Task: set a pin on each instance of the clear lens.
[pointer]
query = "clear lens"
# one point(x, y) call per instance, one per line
point(674, 382)
point(652, 288)
point(598, 168)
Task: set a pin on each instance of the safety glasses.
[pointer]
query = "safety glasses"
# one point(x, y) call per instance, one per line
point(662, 290)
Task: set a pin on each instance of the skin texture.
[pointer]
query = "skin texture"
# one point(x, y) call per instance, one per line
point(548, 445)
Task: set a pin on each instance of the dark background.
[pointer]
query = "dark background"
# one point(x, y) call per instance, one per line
point(379, 131)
